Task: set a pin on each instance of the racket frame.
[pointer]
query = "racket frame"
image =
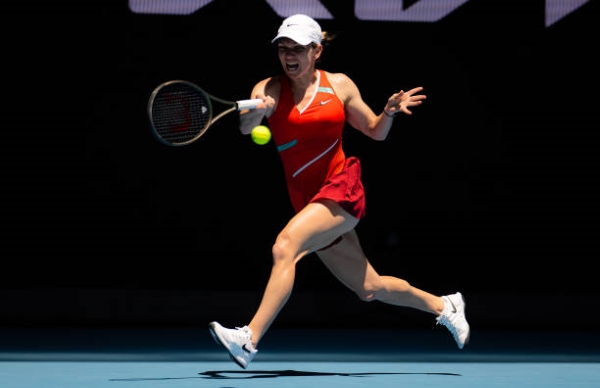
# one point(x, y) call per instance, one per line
point(232, 106)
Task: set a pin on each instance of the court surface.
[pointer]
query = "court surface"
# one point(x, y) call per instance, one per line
point(142, 357)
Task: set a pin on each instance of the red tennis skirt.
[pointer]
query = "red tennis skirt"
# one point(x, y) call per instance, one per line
point(346, 188)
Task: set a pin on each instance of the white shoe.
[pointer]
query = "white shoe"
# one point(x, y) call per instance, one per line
point(238, 342)
point(453, 317)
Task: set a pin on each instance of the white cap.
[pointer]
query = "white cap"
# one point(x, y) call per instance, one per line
point(300, 28)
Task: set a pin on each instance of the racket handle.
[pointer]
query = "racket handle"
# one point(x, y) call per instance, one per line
point(248, 104)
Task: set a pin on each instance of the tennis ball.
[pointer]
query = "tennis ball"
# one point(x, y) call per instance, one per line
point(261, 134)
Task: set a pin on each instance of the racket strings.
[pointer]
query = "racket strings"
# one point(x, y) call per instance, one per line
point(180, 113)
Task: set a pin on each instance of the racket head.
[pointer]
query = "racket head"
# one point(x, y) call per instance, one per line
point(180, 112)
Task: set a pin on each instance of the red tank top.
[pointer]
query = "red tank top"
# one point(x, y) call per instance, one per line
point(309, 142)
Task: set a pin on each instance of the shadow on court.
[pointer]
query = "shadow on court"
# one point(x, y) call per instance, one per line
point(265, 374)
point(269, 374)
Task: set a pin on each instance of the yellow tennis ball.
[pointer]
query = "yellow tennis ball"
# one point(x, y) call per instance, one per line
point(261, 134)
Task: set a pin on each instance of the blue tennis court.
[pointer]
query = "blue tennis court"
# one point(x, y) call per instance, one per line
point(142, 357)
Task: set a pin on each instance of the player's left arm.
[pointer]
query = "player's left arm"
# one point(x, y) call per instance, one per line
point(360, 116)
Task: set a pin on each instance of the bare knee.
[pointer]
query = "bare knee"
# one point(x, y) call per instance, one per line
point(368, 293)
point(282, 252)
point(380, 289)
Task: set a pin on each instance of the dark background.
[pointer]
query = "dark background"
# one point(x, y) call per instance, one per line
point(490, 188)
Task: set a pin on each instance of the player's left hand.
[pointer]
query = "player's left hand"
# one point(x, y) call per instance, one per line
point(402, 101)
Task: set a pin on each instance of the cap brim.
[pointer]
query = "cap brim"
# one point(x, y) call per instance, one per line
point(303, 40)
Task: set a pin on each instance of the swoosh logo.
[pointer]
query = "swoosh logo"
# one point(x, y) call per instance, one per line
point(325, 102)
point(245, 350)
point(453, 306)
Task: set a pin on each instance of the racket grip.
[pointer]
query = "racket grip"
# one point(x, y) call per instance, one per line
point(248, 104)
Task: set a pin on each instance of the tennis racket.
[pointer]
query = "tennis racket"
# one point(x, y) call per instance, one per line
point(180, 112)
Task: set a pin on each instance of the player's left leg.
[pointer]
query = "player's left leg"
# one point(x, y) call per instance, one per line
point(347, 261)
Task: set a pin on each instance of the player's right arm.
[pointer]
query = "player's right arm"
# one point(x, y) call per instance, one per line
point(268, 91)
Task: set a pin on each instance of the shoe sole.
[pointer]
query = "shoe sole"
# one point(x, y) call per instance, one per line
point(211, 328)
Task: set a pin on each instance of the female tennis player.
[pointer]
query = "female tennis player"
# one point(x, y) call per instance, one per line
point(307, 109)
